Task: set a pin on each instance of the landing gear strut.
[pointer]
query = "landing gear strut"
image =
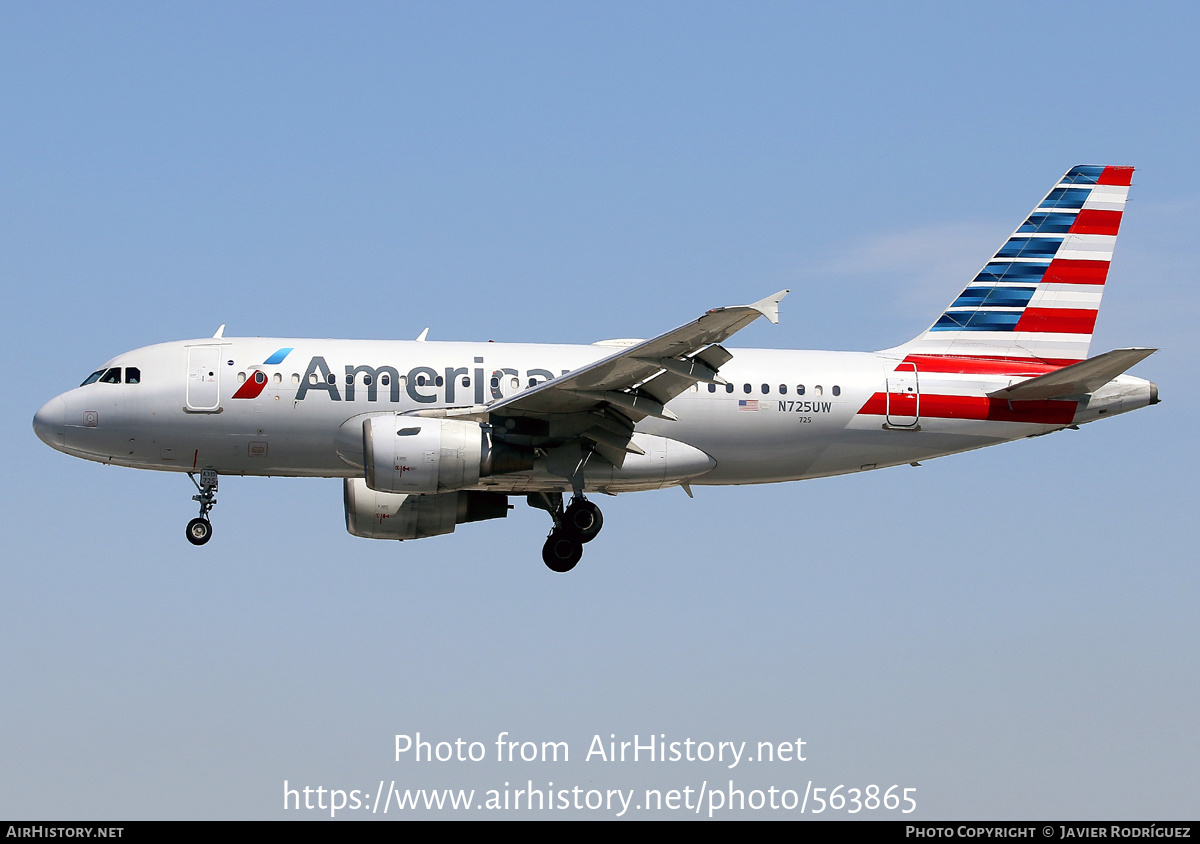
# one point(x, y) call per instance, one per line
point(577, 524)
point(199, 530)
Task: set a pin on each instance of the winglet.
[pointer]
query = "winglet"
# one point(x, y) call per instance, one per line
point(769, 307)
point(220, 332)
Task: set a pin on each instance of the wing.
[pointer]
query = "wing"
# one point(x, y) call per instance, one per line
point(601, 402)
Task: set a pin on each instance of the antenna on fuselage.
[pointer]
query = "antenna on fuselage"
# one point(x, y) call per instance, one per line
point(220, 332)
point(421, 337)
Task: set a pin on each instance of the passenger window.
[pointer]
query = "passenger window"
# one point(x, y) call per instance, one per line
point(799, 389)
point(729, 388)
point(312, 378)
point(817, 391)
point(712, 388)
point(783, 389)
point(277, 378)
point(241, 378)
point(133, 375)
point(837, 391)
point(332, 379)
point(385, 379)
point(111, 376)
point(746, 388)
point(766, 389)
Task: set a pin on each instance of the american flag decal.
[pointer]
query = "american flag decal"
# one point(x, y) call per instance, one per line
point(748, 404)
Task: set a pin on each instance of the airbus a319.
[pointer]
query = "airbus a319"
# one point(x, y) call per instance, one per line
point(430, 435)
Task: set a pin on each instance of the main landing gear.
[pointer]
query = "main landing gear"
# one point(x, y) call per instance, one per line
point(577, 524)
point(199, 530)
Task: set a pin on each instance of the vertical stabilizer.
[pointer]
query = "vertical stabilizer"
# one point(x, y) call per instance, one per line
point(1036, 300)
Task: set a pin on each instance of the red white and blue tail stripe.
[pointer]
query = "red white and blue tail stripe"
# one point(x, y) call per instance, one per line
point(1035, 302)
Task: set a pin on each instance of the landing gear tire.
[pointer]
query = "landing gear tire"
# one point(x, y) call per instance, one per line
point(562, 551)
point(584, 519)
point(199, 531)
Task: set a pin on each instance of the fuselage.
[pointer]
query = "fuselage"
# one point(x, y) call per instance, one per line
point(263, 406)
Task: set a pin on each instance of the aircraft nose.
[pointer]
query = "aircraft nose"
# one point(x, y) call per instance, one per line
point(49, 423)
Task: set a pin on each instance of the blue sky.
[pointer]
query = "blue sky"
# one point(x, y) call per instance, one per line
point(1011, 632)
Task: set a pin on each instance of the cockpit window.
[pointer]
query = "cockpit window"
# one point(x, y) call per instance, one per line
point(133, 375)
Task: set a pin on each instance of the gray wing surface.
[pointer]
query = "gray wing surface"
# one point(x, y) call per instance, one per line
point(601, 402)
point(644, 377)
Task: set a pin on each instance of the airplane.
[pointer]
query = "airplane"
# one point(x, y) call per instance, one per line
point(430, 435)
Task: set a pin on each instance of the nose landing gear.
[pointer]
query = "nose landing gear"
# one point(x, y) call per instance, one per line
point(577, 524)
point(199, 530)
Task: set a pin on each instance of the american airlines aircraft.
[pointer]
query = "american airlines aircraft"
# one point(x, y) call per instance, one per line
point(430, 435)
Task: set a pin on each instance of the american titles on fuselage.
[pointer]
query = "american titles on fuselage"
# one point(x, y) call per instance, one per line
point(424, 385)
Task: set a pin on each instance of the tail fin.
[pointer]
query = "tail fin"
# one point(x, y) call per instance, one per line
point(1036, 301)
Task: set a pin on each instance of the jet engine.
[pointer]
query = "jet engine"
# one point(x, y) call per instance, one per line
point(424, 456)
point(392, 515)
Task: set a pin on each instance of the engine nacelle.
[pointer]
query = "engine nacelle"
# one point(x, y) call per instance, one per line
point(392, 515)
point(422, 456)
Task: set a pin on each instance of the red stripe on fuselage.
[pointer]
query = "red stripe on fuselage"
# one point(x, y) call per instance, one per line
point(982, 408)
point(1057, 320)
point(1096, 222)
point(985, 365)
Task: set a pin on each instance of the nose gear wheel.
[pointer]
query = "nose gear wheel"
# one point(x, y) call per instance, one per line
point(199, 531)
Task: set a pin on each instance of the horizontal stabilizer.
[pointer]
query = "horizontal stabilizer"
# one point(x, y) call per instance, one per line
point(1076, 379)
